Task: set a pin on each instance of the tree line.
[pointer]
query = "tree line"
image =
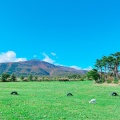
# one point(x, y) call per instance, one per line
point(105, 68)
point(5, 77)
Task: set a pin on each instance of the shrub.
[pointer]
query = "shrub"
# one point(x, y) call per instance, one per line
point(36, 78)
point(22, 77)
point(64, 79)
point(25, 80)
point(116, 81)
point(109, 81)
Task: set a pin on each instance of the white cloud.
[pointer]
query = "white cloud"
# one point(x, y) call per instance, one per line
point(88, 68)
point(76, 67)
point(48, 59)
point(54, 54)
point(20, 59)
point(10, 56)
point(58, 64)
point(80, 68)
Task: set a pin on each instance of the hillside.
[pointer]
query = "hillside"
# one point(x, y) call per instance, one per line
point(37, 67)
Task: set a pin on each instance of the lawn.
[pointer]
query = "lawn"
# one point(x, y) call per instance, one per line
point(48, 101)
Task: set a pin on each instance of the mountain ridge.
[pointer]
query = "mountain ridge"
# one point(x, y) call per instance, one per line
point(37, 67)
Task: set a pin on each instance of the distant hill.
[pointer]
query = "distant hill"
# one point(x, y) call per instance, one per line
point(37, 67)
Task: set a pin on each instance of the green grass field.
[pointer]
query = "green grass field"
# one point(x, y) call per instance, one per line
point(48, 101)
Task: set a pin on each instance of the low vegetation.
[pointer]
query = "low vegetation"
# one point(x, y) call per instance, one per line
point(5, 77)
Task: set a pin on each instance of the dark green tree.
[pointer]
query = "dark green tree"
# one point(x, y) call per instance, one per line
point(116, 62)
point(4, 77)
point(13, 77)
point(99, 66)
point(30, 77)
point(109, 66)
point(110, 62)
point(36, 78)
point(22, 77)
point(93, 74)
point(104, 63)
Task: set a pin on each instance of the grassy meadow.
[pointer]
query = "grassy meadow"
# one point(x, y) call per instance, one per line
point(48, 101)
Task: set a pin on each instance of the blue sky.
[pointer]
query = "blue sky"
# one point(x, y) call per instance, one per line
point(65, 32)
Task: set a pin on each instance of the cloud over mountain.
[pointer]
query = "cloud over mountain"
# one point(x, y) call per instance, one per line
point(48, 59)
point(10, 56)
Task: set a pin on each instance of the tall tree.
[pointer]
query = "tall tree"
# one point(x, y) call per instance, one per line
point(99, 66)
point(30, 77)
point(22, 77)
point(110, 62)
point(104, 63)
point(13, 77)
point(116, 57)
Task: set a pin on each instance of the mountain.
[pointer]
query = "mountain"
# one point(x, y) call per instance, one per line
point(37, 67)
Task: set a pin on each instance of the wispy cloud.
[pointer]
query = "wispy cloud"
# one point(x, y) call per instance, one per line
point(88, 68)
point(52, 53)
point(48, 59)
point(76, 67)
point(58, 64)
point(10, 56)
point(80, 68)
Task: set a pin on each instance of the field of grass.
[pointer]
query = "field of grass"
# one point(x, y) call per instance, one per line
point(48, 101)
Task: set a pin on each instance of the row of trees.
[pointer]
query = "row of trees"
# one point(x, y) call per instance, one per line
point(105, 67)
point(5, 77)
